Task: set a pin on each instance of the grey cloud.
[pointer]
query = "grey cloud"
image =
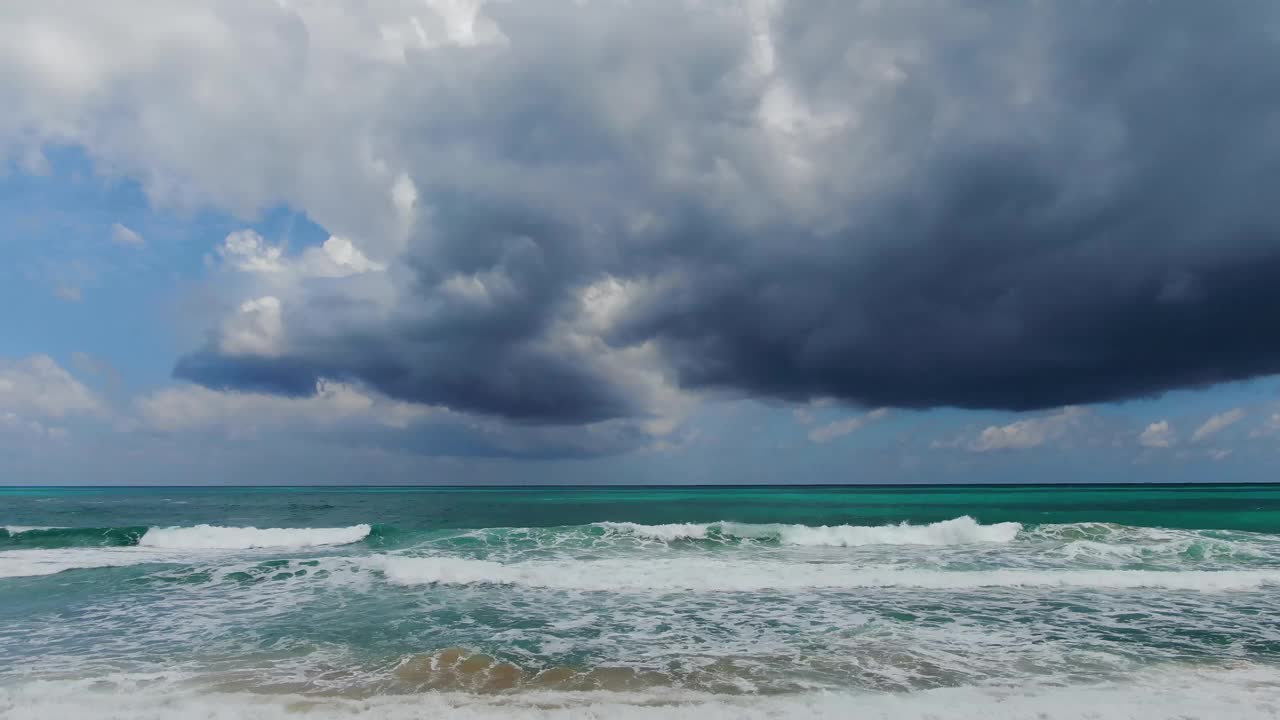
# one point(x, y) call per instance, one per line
point(354, 416)
point(1011, 206)
point(1103, 239)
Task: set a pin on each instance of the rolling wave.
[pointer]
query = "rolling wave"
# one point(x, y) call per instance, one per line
point(739, 554)
point(33, 552)
point(17, 536)
point(211, 537)
point(214, 537)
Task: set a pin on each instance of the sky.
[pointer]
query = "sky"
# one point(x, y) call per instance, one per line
point(602, 241)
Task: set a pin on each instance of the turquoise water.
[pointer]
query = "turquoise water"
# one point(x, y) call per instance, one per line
point(996, 601)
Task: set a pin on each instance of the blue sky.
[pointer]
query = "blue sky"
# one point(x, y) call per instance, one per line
point(364, 256)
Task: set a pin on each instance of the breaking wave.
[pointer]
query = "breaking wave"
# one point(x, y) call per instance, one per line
point(737, 555)
point(46, 551)
point(213, 537)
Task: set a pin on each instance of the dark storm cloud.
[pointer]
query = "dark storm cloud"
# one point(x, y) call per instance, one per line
point(1111, 238)
point(1000, 206)
point(499, 379)
point(253, 374)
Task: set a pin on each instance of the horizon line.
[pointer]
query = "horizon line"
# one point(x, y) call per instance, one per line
point(508, 486)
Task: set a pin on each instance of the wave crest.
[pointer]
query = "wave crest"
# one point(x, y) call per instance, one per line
point(214, 537)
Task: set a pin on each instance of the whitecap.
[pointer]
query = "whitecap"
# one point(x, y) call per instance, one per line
point(173, 545)
point(214, 537)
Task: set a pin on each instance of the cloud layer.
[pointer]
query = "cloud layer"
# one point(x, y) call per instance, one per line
point(564, 214)
point(36, 390)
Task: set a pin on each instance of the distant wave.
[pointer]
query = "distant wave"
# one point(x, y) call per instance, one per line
point(21, 536)
point(713, 575)
point(959, 531)
point(214, 537)
point(1007, 553)
point(46, 551)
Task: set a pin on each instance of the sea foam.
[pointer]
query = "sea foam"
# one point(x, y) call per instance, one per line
point(714, 575)
point(666, 533)
point(28, 563)
point(1245, 693)
point(958, 531)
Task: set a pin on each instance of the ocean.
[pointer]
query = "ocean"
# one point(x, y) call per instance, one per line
point(1043, 602)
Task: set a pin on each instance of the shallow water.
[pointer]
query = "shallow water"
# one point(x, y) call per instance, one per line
point(1087, 601)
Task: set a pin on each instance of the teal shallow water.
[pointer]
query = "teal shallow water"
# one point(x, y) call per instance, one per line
point(488, 599)
point(1240, 507)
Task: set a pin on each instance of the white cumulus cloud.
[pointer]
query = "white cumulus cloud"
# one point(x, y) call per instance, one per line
point(194, 408)
point(1158, 435)
point(122, 235)
point(256, 329)
point(36, 390)
point(1217, 424)
point(247, 251)
point(836, 429)
point(37, 386)
point(1029, 433)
